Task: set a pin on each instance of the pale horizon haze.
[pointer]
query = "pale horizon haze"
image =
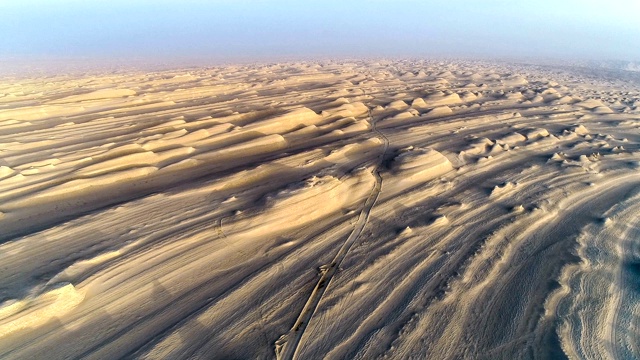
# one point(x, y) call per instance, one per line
point(272, 30)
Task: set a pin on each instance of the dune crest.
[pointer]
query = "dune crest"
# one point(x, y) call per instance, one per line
point(330, 209)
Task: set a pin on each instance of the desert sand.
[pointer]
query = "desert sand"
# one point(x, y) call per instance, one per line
point(339, 210)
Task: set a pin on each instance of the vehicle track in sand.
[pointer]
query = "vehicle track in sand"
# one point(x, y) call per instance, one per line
point(632, 231)
point(287, 345)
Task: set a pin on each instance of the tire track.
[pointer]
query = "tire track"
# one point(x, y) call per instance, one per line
point(287, 345)
point(625, 250)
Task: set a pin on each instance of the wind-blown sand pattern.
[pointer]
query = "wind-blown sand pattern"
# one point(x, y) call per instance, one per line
point(332, 210)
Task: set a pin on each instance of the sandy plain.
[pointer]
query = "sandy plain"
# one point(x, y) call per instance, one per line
point(340, 210)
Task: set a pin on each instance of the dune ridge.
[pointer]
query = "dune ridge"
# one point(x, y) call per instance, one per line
point(362, 209)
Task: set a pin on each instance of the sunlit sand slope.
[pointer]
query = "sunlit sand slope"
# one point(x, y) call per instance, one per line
point(321, 210)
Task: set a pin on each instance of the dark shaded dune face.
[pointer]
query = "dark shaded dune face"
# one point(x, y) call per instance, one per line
point(405, 209)
point(633, 270)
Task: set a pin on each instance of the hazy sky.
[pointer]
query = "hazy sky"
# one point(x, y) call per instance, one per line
point(270, 29)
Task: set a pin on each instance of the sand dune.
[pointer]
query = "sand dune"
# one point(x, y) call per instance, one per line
point(406, 209)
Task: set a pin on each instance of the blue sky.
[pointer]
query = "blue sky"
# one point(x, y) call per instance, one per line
point(263, 29)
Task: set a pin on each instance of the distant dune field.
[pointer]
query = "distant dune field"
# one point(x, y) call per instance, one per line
point(339, 210)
